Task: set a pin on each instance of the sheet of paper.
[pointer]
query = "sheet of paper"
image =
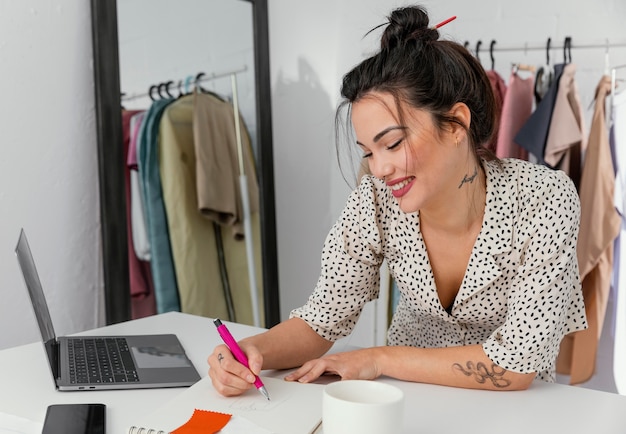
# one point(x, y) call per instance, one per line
point(240, 425)
point(294, 408)
point(10, 424)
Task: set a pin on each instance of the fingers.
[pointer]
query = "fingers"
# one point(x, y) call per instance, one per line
point(359, 364)
point(227, 384)
point(310, 371)
point(255, 359)
point(229, 377)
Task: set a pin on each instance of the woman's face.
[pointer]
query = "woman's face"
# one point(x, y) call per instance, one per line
point(418, 164)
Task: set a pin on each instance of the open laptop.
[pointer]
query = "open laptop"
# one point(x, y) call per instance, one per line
point(127, 362)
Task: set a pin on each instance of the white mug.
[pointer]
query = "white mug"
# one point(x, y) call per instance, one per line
point(363, 407)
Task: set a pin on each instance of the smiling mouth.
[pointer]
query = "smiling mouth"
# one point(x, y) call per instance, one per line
point(400, 185)
point(401, 188)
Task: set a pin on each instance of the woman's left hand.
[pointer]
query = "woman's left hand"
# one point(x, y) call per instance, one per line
point(352, 365)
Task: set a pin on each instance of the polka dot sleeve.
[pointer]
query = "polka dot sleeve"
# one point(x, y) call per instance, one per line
point(349, 276)
point(544, 298)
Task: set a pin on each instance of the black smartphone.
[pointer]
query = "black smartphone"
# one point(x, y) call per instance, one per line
point(75, 419)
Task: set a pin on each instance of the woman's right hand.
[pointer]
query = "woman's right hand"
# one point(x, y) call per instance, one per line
point(229, 377)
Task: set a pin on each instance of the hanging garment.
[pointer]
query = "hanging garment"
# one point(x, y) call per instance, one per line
point(141, 288)
point(499, 92)
point(599, 226)
point(194, 240)
point(618, 138)
point(516, 109)
point(618, 148)
point(534, 133)
point(566, 136)
point(543, 80)
point(161, 262)
point(218, 164)
point(141, 241)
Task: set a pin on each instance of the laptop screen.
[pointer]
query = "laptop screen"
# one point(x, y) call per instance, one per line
point(35, 291)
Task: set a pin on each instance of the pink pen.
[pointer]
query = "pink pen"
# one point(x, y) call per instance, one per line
point(239, 355)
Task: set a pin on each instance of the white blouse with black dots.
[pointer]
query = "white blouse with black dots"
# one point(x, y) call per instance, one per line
point(521, 292)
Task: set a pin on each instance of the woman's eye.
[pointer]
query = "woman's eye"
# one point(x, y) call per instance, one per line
point(394, 145)
point(388, 148)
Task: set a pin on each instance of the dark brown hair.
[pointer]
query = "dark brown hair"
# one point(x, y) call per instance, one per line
point(423, 72)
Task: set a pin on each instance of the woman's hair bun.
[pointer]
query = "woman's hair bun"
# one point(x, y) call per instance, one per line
point(407, 24)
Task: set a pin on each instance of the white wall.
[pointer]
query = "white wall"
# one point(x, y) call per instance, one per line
point(48, 174)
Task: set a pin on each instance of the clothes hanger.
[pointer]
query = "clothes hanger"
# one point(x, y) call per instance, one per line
point(478, 44)
point(541, 73)
point(166, 87)
point(188, 80)
point(567, 50)
point(161, 89)
point(150, 90)
point(493, 61)
point(197, 86)
point(515, 67)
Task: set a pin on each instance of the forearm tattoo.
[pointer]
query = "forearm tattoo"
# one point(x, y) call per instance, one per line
point(481, 373)
point(469, 179)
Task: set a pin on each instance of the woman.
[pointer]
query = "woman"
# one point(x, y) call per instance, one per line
point(483, 250)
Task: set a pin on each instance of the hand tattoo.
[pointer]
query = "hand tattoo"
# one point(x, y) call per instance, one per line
point(481, 373)
point(469, 179)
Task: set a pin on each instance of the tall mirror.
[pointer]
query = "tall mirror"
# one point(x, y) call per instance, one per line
point(169, 78)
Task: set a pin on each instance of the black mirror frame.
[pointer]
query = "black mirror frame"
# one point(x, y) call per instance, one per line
point(111, 169)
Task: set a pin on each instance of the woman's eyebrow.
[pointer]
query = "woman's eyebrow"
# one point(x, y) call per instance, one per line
point(380, 135)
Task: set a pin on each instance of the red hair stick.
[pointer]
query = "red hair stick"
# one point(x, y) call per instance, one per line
point(444, 22)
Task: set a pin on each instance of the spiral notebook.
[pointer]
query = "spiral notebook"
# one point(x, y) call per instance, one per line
point(294, 408)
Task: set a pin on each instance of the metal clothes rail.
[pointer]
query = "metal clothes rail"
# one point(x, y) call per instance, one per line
point(186, 82)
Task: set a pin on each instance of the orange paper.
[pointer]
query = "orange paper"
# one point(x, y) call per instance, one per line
point(203, 422)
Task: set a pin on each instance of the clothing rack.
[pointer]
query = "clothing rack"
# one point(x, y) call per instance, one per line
point(548, 48)
point(245, 199)
point(528, 47)
point(243, 183)
point(567, 47)
point(187, 81)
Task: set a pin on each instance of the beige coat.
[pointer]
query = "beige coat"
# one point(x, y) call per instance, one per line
point(192, 235)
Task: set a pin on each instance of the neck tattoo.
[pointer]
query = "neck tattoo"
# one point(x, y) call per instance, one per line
point(469, 179)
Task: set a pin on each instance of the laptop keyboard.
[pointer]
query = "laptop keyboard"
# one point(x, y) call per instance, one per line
point(101, 360)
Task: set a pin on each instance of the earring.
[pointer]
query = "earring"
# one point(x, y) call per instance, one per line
point(456, 141)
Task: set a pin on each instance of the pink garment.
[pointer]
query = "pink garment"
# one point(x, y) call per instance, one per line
point(499, 92)
point(142, 298)
point(516, 109)
point(135, 126)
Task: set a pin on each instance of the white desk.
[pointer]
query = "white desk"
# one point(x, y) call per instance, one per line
point(27, 389)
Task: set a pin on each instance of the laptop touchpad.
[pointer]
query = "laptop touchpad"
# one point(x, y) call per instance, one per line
point(159, 356)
